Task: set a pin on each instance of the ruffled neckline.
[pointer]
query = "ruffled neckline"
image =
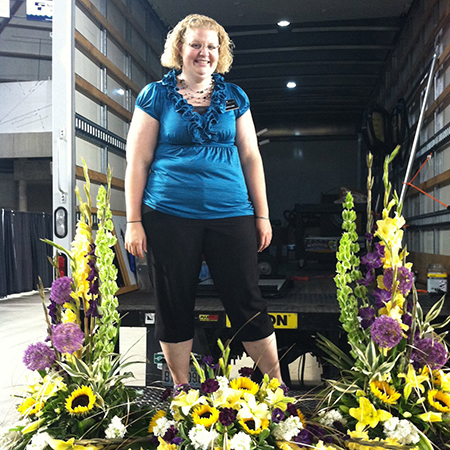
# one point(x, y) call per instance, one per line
point(201, 127)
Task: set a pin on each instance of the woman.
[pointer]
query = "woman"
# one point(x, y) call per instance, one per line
point(195, 134)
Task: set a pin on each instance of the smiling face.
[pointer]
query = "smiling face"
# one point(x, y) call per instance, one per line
point(199, 52)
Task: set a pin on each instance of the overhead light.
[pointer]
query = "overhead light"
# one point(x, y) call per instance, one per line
point(260, 132)
point(264, 142)
point(120, 91)
point(283, 23)
point(291, 84)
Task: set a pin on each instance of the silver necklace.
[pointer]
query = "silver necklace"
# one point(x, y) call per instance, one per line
point(198, 97)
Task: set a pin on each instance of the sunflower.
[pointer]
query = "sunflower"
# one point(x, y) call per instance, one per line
point(30, 406)
point(205, 415)
point(160, 413)
point(81, 400)
point(245, 385)
point(249, 426)
point(439, 400)
point(384, 392)
point(301, 417)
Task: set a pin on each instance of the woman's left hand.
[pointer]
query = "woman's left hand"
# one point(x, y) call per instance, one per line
point(264, 233)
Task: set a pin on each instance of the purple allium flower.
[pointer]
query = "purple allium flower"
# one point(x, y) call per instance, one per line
point(209, 361)
point(277, 415)
point(380, 250)
point(405, 280)
point(291, 409)
point(367, 315)
point(227, 416)
point(210, 385)
point(304, 437)
point(93, 309)
point(382, 296)
point(166, 394)
point(67, 337)
point(386, 331)
point(368, 237)
point(368, 279)
point(246, 372)
point(407, 319)
point(61, 290)
point(371, 261)
point(428, 352)
point(38, 356)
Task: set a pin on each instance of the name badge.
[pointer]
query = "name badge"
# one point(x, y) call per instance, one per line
point(231, 105)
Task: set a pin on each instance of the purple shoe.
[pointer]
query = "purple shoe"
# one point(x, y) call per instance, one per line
point(179, 388)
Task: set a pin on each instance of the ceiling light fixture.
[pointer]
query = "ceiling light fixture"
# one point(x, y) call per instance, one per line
point(291, 84)
point(283, 23)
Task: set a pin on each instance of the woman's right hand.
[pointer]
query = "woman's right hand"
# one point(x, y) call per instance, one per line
point(135, 239)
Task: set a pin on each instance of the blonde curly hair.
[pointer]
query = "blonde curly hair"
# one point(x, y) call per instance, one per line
point(171, 57)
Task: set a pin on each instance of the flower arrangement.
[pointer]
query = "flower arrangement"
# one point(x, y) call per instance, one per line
point(394, 391)
point(76, 391)
point(232, 414)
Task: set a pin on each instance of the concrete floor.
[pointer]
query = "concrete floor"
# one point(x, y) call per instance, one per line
point(23, 323)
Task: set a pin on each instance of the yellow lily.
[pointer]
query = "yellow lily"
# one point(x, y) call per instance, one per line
point(57, 444)
point(366, 414)
point(251, 410)
point(227, 398)
point(430, 416)
point(276, 399)
point(187, 400)
point(442, 379)
point(163, 445)
point(412, 380)
point(33, 426)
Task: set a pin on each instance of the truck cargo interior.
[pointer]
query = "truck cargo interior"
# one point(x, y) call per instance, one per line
point(328, 82)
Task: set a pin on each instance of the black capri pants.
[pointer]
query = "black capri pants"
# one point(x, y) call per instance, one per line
point(177, 246)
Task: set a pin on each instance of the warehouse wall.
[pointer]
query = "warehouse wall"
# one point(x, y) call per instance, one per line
point(427, 29)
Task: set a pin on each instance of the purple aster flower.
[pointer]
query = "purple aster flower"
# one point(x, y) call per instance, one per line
point(170, 435)
point(93, 309)
point(371, 261)
point(368, 279)
point(367, 315)
point(386, 331)
point(38, 356)
point(368, 237)
point(382, 296)
point(246, 372)
point(405, 280)
point(291, 409)
point(67, 337)
point(428, 352)
point(227, 416)
point(277, 415)
point(380, 250)
point(210, 386)
point(61, 290)
point(303, 438)
point(166, 394)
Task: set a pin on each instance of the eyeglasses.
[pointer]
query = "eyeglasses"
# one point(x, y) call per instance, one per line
point(198, 46)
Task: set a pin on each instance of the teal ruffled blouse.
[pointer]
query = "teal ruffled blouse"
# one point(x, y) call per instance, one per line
point(196, 171)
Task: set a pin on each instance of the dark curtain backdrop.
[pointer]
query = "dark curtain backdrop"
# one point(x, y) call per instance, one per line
point(23, 257)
